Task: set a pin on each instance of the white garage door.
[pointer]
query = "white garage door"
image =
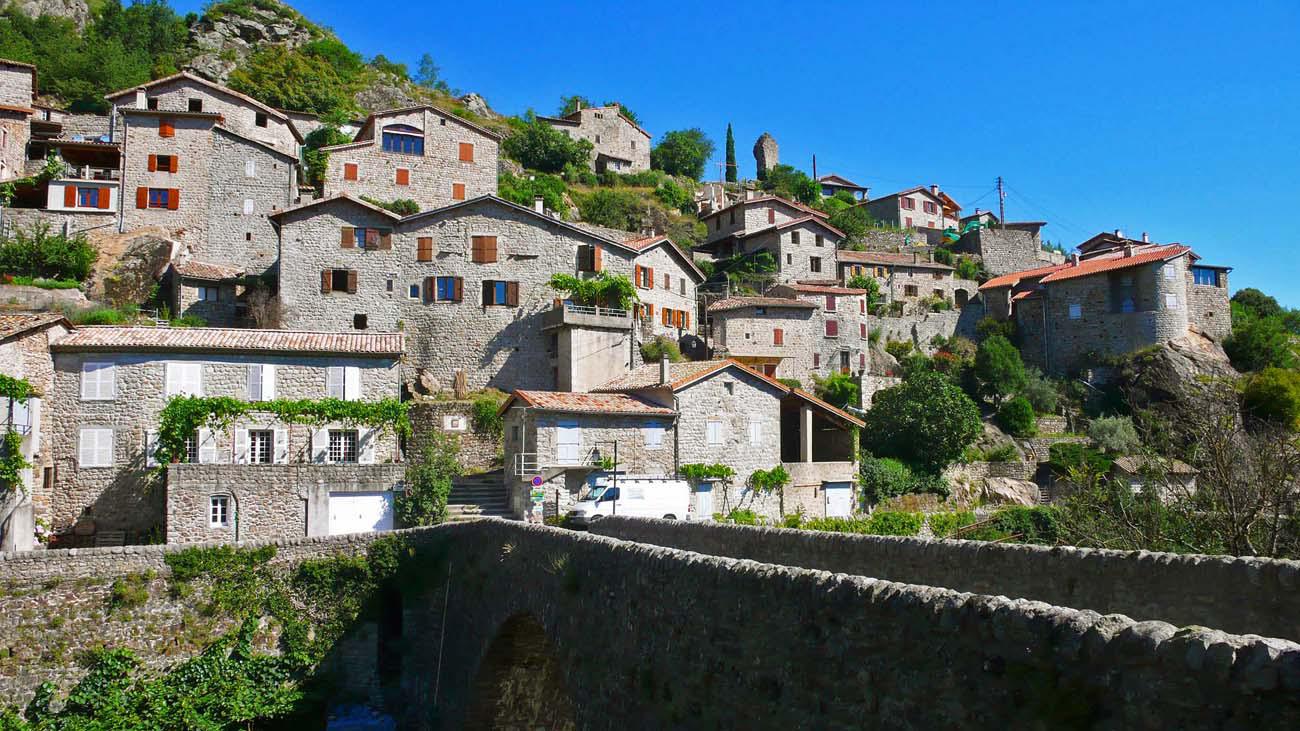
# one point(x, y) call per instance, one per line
point(359, 512)
point(839, 499)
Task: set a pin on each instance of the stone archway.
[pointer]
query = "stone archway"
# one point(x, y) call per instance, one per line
point(520, 684)
point(961, 297)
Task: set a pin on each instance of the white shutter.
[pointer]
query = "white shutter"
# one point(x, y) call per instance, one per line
point(248, 206)
point(104, 448)
point(320, 445)
point(151, 448)
point(207, 447)
point(268, 383)
point(755, 432)
point(281, 446)
point(194, 379)
point(241, 446)
point(366, 439)
point(255, 382)
point(250, 168)
point(352, 383)
point(98, 382)
point(96, 447)
point(173, 379)
point(334, 382)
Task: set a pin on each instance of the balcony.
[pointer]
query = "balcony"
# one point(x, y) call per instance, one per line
point(529, 464)
point(589, 316)
point(88, 172)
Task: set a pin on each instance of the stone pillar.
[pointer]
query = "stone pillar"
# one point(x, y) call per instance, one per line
point(805, 433)
point(766, 155)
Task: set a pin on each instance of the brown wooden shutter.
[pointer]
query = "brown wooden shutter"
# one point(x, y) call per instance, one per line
point(172, 165)
point(459, 289)
point(385, 240)
point(173, 198)
point(153, 163)
point(458, 191)
point(372, 238)
point(778, 336)
point(476, 249)
point(467, 152)
point(596, 264)
point(650, 278)
point(348, 238)
point(352, 281)
point(512, 293)
point(686, 320)
point(424, 248)
point(104, 194)
point(166, 128)
point(490, 248)
point(668, 281)
point(430, 289)
point(771, 215)
point(141, 197)
point(349, 171)
point(69, 196)
point(650, 312)
point(636, 274)
point(403, 176)
point(326, 278)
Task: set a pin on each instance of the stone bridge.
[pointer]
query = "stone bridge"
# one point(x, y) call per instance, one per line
point(533, 627)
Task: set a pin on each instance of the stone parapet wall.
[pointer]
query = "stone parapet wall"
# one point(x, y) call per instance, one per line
point(1210, 591)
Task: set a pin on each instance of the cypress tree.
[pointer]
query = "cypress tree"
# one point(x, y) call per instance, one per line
point(731, 155)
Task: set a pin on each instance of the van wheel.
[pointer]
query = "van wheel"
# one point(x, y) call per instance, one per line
point(670, 516)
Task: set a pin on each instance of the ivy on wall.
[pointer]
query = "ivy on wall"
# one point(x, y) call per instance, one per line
point(12, 462)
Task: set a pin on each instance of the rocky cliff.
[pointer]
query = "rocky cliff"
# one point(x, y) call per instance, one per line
point(77, 10)
point(224, 40)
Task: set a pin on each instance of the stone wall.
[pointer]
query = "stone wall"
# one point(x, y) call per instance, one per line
point(15, 131)
point(610, 134)
point(478, 450)
point(191, 146)
point(26, 219)
point(17, 84)
point(679, 295)
point(248, 182)
point(921, 329)
point(236, 112)
point(1208, 308)
point(1210, 591)
point(1006, 250)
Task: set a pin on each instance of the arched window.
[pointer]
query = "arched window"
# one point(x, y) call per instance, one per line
point(403, 139)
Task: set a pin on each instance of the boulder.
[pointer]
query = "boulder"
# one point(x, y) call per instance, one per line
point(78, 11)
point(477, 104)
point(1009, 491)
point(1173, 378)
point(129, 264)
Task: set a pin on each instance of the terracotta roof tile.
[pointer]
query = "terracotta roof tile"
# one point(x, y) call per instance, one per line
point(767, 198)
point(887, 258)
point(589, 403)
point(736, 303)
point(19, 323)
point(200, 339)
point(1089, 267)
point(1012, 279)
point(815, 220)
point(207, 271)
point(812, 288)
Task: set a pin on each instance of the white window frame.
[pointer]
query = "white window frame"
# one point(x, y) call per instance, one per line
point(1171, 301)
point(654, 436)
point(183, 378)
point(250, 168)
point(713, 433)
point(343, 382)
point(151, 448)
point(261, 382)
point(218, 511)
point(270, 445)
point(250, 206)
point(98, 381)
point(99, 452)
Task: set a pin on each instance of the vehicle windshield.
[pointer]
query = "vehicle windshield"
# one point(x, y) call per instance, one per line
point(593, 493)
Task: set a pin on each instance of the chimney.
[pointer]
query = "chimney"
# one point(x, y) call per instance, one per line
point(140, 101)
point(1119, 233)
point(934, 189)
point(1145, 239)
point(1128, 250)
point(916, 257)
point(664, 370)
point(579, 107)
point(539, 204)
point(977, 211)
point(1074, 259)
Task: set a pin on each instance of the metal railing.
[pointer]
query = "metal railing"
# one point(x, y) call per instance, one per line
point(596, 310)
point(528, 463)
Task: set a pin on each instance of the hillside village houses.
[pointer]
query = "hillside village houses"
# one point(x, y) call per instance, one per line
point(371, 304)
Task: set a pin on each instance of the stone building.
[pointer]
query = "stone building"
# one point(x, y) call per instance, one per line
point(17, 93)
point(832, 184)
point(664, 415)
point(111, 383)
point(419, 153)
point(911, 279)
point(766, 155)
point(794, 233)
point(25, 354)
point(467, 282)
point(920, 208)
point(1111, 302)
point(1004, 247)
point(188, 93)
point(665, 280)
point(838, 333)
point(772, 335)
point(212, 188)
point(208, 291)
point(618, 144)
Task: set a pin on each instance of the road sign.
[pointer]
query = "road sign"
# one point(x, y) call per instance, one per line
point(537, 481)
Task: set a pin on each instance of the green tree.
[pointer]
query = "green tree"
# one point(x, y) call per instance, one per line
point(621, 209)
point(39, 252)
point(428, 483)
point(837, 389)
point(571, 104)
point(1273, 395)
point(623, 110)
point(1040, 390)
point(293, 79)
point(1256, 303)
point(538, 146)
point(682, 152)
point(1257, 343)
point(428, 73)
point(315, 161)
point(675, 197)
point(1016, 417)
point(854, 221)
point(731, 155)
point(787, 182)
point(999, 369)
point(525, 189)
point(925, 421)
point(1115, 434)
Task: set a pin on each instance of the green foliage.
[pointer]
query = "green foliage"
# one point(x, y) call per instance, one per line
point(705, 472)
point(429, 75)
point(571, 104)
point(1040, 391)
point(990, 326)
point(926, 421)
point(1016, 417)
point(538, 146)
point(42, 283)
point(1000, 453)
point(103, 316)
point(486, 413)
point(944, 525)
point(317, 78)
point(428, 483)
point(184, 414)
point(525, 189)
point(869, 285)
point(854, 221)
point(129, 592)
point(614, 208)
point(792, 382)
point(1257, 343)
point(943, 256)
point(879, 523)
point(1255, 303)
point(400, 206)
point(900, 349)
point(936, 303)
point(1078, 462)
point(883, 478)
point(746, 266)
point(967, 268)
point(653, 351)
point(741, 516)
point(187, 321)
point(38, 252)
point(315, 161)
point(837, 389)
point(787, 182)
point(1114, 434)
point(682, 152)
point(675, 197)
point(731, 169)
point(999, 369)
point(604, 289)
point(768, 481)
point(1273, 395)
point(1039, 525)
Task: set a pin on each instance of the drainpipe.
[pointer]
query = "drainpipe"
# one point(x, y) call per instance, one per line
point(121, 168)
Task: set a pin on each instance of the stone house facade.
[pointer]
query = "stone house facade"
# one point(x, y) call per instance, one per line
point(418, 153)
point(747, 216)
point(837, 335)
point(17, 94)
point(908, 278)
point(111, 383)
point(919, 207)
point(772, 335)
point(666, 281)
point(467, 282)
point(25, 354)
point(804, 248)
point(208, 291)
point(241, 114)
point(618, 143)
point(1013, 248)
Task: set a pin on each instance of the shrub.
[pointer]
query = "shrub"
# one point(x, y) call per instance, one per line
point(682, 152)
point(129, 591)
point(1273, 395)
point(1114, 434)
point(999, 369)
point(1000, 453)
point(1040, 525)
point(900, 349)
point(837, 389)
point(538, 146)
point(400, 206)
point(1016, 417)
point(1072, 460)
point(943, 525)
point(943, 256)
point(873, 336)
point(988, 326)
point(621, 209)
point(967, 268)
point(37, 252)
point(792, 382)
point(428, 483)
point(101, 316)
point(883, 478)
point(524, 189)
point(307, 79)
point(1258, 343)
point(743, 517)
point(790, 183)
point(486, 413)
point(925, 421)
point(892, 523)
point(675, 197)
point(652, 351)
point(1040, 391)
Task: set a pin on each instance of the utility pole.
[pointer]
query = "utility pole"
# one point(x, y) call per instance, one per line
point(814, 166)
point(1002, 205)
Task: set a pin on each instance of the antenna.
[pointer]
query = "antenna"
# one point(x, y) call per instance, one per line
point(1002, 204)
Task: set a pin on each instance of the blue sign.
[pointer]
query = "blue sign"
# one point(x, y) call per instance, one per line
point(537, 481)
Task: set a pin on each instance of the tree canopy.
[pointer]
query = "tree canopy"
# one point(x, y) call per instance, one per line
point(998, 367)
point(788, 182)
point(925, 421)
point(682, 152)
point(538, 146)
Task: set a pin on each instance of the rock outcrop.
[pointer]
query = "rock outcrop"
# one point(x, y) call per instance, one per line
point(75, 10)
point(1175, 375)
point(1009, 491)
point(223, 42)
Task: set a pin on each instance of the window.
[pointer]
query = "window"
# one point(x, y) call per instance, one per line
point(789, 259)
point(908, 222)
point(163, 163)
point(259, 119)
point(819, 240)
point(424, 248)
point(96, 447)
point(778, 336)
point(668, 281)
point(166, 128)
point(248, 206)
point(713, 433)
point(654, 437)
point(403, 176)
point(160, 198)
point(794, 237)
point(907, 204)
point(261, 382)
point(644, 276)
point(467, 152)
point(598, 136)
point(250, 168)
point(732, 217)
point(458, 191)
point(1202, 275)
point(815, 264)
point(909, 290)
point(388, 284)
point(929, 207)
point(1076, 311)
point(817, 360)
point(343, 445)
point(403, 139)
point(248, 235)
point(184, 379)
point(413, 292)
point(832, 328)
point(98, 382)
point(87, 197)
point(209, 294)
point(500, 293)
point(1126, 305)
point(151, 103)
point(359, 321)
point(483, 249)
point(446, 289)
point(349, 171)
point(862, 330)
point(151, 448)
point(195, 105)
point(755, 432)
point(1170, 270)
point(343, 382)
point(1171, 301)
point(681, 286)
point(261, 446)
point(219, 511)
point(192, 454)
point(342, 280)
point(830, 303)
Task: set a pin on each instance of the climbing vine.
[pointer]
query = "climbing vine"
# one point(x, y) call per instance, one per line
point(605, 289)
point(184, 414)
point(12, 462)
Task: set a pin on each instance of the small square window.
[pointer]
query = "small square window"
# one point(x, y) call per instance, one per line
point(359, 321)
point(152, 102)
point(249, 206)
point(195, 105)
point(343, 446)
point(219, 511)
point(209, 294)
point(815, 264)
point(731, 388)
point(248, 235)
point(413, 292)
point(1076, 311)
point(259, 119)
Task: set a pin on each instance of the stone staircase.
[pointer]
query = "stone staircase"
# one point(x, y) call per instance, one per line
point(477, 496)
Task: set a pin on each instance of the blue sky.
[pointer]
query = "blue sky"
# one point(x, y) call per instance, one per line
point(1181, 119)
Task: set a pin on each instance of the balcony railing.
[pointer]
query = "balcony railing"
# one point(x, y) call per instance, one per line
point(589, 315)
point(529, 463)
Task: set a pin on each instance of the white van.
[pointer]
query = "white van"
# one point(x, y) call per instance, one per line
point(636, 496)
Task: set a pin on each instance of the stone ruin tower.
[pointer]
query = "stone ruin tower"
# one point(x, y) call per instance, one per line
point(766, 155)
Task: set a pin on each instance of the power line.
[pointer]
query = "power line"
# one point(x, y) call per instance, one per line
point(1052, 216)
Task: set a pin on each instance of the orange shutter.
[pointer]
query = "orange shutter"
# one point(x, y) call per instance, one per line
point(484, 249)
point(467, 152)
point(596, 264)
point(430, 289)
point(636, 274)
point(650, 312)
point(69, 196)
point(175, 160)
point(650, 278)
point(141, 197)
point(348, 239)
point(325, 281)
point(403, 176)
point(352, 281)
point(458, 191)
point(153, 163)
point(778, 336)
point(512, 293)
point(686, 320)
point(424, 248)
point(349, 171)
point(173, 199)
point(166, 128)
point(476, 249)
point(104, 194)
point(459, 289)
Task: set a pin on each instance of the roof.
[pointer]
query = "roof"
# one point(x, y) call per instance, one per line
point(1099, 265)
point(1133, 465)
point(1014, 278)
point(645, 244)
point(814, 220)
point(207, 339)
point(923, 189)
point(210, 84)
point(522, 209)
point(737, 303)
point(206, 271)
point(586, 403)
point(423, 107)
point(264, 145)
point(96, 144)
point(816, 288)
point(569, 118)
point(16, 109)
point(887, 258)
point(840, 182)
point(20, 64)
point(765, 199)
point(13, 325)
point(215, 116)
point(331, 199)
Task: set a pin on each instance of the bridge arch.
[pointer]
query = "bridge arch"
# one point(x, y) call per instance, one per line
point(520, 682)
